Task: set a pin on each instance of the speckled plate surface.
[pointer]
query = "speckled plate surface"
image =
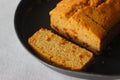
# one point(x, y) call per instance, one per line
point(32, 14)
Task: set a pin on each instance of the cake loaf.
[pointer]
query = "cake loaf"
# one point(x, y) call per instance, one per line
point(90, 23)
point(59, 51)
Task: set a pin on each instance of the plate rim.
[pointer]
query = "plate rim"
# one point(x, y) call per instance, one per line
point(92, 75)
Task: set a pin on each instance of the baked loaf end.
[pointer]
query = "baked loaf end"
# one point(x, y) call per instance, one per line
point(59, 51)
point(89, 23)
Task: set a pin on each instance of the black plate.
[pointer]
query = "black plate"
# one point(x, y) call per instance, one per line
point(32, 14)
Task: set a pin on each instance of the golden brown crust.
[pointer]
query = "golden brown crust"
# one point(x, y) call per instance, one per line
point(106, 14)
point(59, 51)
point(86, 21)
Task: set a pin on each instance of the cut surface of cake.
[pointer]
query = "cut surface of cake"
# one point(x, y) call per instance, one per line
point(90, 23)
point(59, 51)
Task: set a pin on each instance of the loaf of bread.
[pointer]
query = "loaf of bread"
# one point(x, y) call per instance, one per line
point(59, 51)
point(90, 23)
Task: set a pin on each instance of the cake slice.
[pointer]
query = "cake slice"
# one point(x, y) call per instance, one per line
point(90, 23)
point(59, 51)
